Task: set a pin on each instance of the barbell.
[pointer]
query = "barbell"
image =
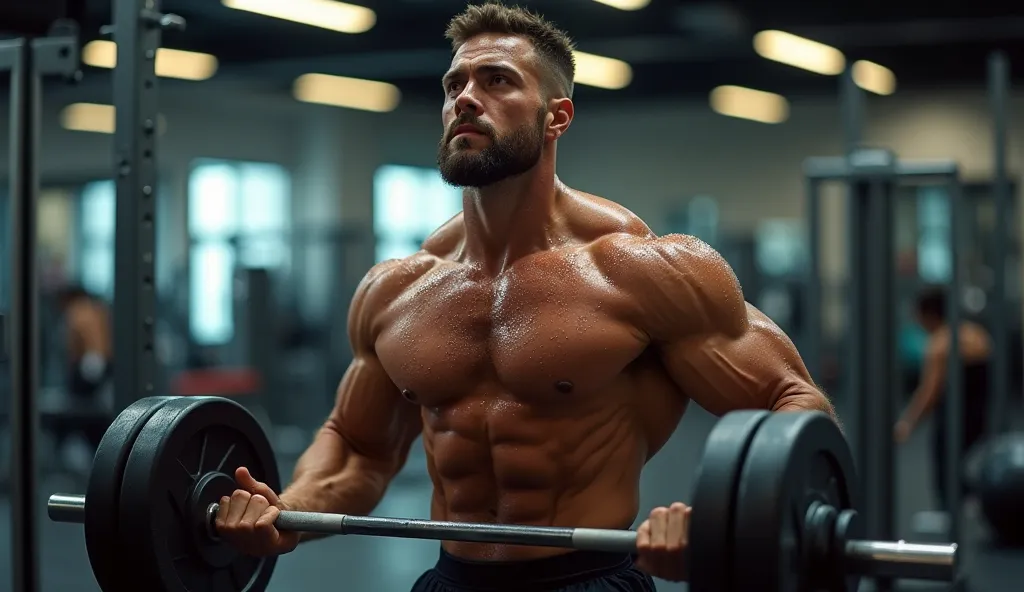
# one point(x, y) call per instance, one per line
point(774, 507)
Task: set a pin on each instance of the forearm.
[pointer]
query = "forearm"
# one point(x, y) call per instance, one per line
point(329, 477)
point(805, 397)
point(921, 403)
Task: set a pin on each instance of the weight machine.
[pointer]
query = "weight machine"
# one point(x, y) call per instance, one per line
point(49, 46)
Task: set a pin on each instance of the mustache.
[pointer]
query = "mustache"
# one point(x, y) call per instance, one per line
point(486, 129)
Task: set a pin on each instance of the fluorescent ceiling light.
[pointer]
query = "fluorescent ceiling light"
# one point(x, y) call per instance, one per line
point(625, 4)
point(799, 52)
point(602, 72)
point(327, 14)
point(747, 103)
point(170, 63)
point(352, 93)
point(97, 118)
point(874, 78)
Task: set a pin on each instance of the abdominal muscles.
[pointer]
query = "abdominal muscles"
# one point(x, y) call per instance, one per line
point(497, 460)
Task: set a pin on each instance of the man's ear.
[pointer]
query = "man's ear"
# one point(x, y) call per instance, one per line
point(562, 111)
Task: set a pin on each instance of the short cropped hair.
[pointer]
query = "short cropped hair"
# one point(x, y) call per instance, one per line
point(553, 45)
point(931, 302)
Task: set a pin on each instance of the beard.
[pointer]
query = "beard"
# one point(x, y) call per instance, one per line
point(507, 156)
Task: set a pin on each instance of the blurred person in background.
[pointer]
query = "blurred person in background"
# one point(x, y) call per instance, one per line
point(975, 350)
point(88, 362)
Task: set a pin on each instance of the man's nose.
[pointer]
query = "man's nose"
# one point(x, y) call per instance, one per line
point(467, 102)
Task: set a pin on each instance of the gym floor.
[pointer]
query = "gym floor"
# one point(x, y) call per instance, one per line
point(362, 564)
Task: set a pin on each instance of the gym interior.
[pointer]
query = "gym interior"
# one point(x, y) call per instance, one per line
point(840, 179)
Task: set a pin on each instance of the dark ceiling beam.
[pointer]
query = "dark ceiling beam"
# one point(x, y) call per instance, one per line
point(648, 49)
point(428, 63)
point(921, 32)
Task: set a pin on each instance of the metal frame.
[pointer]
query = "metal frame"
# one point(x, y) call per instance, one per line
point(137, 33)
point(28, 61)
point(138, 25)
point(873, 176)
point(999, 91)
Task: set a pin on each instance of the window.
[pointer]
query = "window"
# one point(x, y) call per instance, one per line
point(780, 247)
point(239, 214)
point(409, 203)
point(934, 263)
point(96, 228)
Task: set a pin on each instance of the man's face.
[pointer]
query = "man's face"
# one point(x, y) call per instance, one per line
point(494, 112)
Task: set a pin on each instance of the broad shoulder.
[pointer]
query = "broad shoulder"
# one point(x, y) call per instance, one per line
point(682, 256)
point(679, 284)
point(385, 281)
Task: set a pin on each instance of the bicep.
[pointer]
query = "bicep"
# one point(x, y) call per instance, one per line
point(754, 368)
point(371, 415)
point(369, 412)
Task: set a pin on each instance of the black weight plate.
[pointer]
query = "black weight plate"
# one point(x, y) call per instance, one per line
point(710, 561)
point(184, 458)
point(795, 459)
point(102, 495)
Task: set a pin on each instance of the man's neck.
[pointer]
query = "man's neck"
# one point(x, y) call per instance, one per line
point(510, 219)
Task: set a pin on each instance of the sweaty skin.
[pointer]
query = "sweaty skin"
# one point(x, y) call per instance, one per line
point(542, 391)
point(544, 342)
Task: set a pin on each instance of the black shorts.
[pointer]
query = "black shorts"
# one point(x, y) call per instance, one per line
point(578, 571)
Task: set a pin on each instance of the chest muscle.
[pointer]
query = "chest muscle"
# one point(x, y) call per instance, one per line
point(536, 337)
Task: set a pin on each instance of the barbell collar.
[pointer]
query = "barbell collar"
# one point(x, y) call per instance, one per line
point(62, 507)
point(901, 560)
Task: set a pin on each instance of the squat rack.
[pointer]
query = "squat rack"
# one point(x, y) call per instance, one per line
point(871, 177)
point(137, 29)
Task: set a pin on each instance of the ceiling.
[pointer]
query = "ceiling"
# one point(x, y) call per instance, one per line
point(676, 48)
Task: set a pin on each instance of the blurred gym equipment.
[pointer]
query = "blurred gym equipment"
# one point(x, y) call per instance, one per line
point(28, 60)
point(872, 176)
point(1000, 487)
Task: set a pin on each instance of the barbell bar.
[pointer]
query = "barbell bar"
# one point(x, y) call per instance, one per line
point(774, 497)
point(897, 559)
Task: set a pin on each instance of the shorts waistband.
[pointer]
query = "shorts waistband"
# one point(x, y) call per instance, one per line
point(550, 572)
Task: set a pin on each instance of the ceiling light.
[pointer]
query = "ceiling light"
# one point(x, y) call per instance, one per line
point(351, 93)
point(602, 72)
point(799, 52)
point(747, 103)
point(625, 4)
point(874, 78)
point(97, 118)
point(170, 63)
point(327, 14)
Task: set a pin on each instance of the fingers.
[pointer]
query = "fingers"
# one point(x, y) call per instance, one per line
point(659, 528)
point(675, 531)
point(246, 518)
point(643, 536)
point(249, 483)
point(661, 540)
point(236, 507)
point(256, 507)
point(264, 526)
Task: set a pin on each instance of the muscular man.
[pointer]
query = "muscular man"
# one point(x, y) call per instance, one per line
point(975, 348)
point(544, 342)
